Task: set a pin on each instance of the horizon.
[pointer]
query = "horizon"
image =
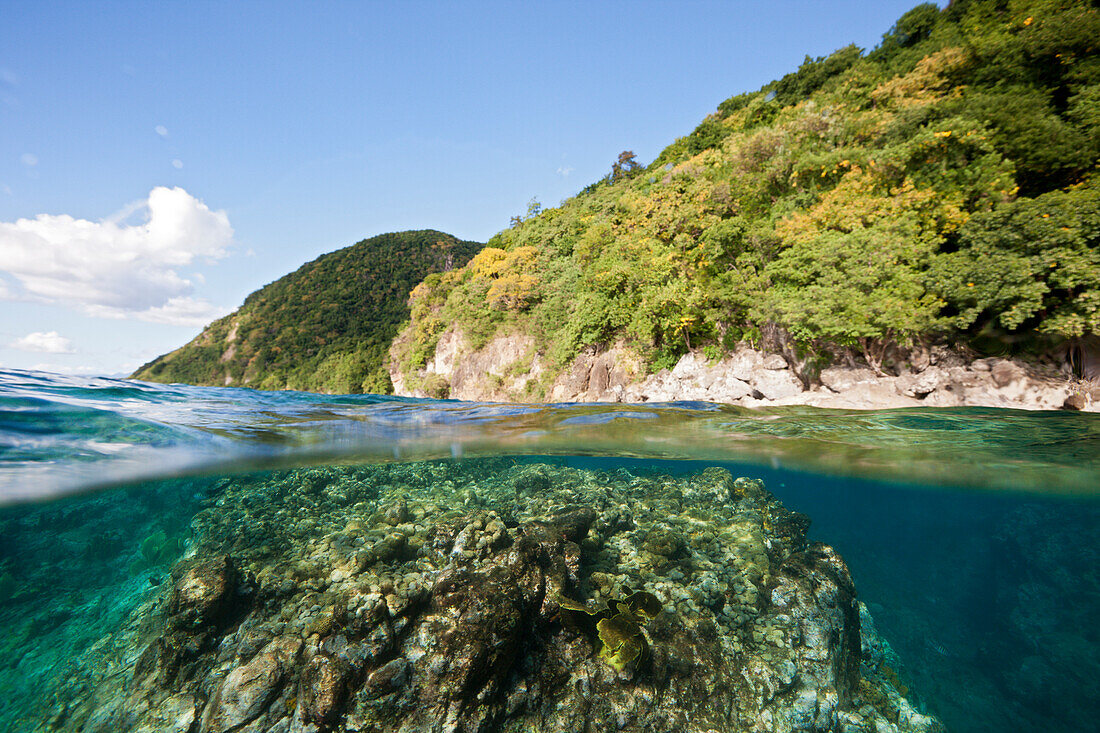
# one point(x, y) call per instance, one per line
point(174, 159)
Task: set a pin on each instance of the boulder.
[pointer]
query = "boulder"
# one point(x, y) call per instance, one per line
point(743, 363)
point(918, 385)
point(880, 394)
point(1006, 372)
point(689, 366)
point(322, 689)
point(1077, 401)
point(203, 592)
point(728, 389)
point(388, 678)
point(775, 361)
point(841, 378)
point(777, 384)
point(247, 690)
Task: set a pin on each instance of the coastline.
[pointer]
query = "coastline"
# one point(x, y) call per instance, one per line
point(505, 370)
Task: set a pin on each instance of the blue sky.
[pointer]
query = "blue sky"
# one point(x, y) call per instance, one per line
point(159, 161)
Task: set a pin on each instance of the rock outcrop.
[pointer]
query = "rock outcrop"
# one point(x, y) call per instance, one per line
point(445, 597)
point(507, 369)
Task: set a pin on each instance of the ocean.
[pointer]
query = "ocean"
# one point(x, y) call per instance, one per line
point(216, 559)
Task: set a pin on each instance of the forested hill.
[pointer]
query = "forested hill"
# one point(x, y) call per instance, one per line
point(324, 327)
point(943, 185)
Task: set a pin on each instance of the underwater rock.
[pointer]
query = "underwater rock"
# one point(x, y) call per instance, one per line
point(175, 715)
point(322, 689)
point(387, 678)
point(248, 689)
point(203, 592)
point(397, 513)
point(707, 610)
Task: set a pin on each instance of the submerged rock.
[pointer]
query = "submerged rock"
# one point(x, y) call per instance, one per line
point(203, 592)
point(382, 599)
point(249, 689)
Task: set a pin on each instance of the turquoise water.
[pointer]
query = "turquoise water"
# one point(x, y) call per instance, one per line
point(971, 534)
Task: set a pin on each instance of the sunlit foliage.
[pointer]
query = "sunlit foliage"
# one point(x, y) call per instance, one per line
point(941, 184)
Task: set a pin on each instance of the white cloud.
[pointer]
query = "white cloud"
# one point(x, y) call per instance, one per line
point(67, 369)
point(564, 171)
point(9, 77)
point(161, 130)
point(29, 159)
point(181, 310)
point(46, 342)
point(177, 164)
point(111, 269)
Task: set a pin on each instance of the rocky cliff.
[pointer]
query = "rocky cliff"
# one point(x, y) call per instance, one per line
point(508, 368)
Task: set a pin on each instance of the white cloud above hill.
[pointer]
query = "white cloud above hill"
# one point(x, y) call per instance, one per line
point(46, 342)
point(112, 269)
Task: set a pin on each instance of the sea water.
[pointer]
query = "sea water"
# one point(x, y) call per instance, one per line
point(972, 534)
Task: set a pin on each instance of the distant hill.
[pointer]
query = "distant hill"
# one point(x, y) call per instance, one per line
point(325, 327)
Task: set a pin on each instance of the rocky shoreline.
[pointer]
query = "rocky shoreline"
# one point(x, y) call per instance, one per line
point(753, 378)
point(490, 596)
point(506, 368)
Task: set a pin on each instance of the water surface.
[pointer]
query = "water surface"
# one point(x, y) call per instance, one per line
point(971, 533)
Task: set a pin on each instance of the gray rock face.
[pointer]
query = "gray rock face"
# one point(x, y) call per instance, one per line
point(203, 592)
point(504, 370)
point(775, 361)
point(777, 384)
point(1005, 372)
point(248, 690)
point(841, 379)
point(509, 614)
point(918, 385)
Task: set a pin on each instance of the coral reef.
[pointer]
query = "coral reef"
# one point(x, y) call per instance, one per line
point(440, 597)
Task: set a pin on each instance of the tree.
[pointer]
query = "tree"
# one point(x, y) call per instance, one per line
point(1031, 264)
point(863, 287)
point(625, 166)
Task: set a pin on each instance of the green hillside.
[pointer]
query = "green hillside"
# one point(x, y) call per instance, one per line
point(942, 186)
point(324, 327)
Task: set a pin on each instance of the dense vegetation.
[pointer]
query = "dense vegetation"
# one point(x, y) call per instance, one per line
point(324, 327)
point(943, 185)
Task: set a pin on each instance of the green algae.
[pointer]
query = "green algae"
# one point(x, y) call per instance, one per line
point(622, 641)
point(618, 626)
point(157, 549)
